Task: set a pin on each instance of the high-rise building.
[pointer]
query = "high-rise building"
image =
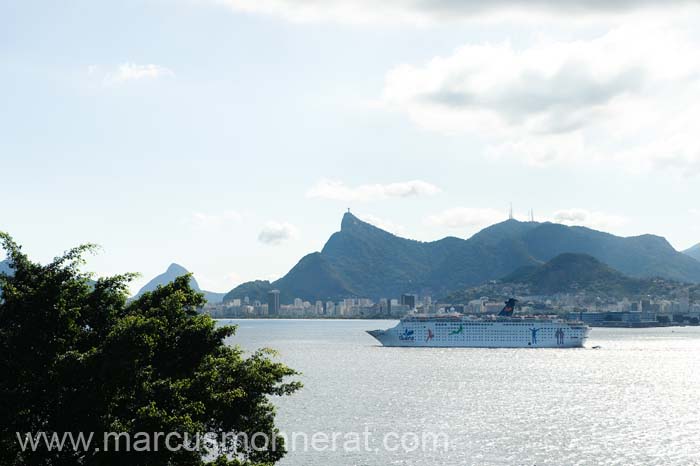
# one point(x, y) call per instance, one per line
point(408, 300)
point(273, 303)
point(685, 302)
point(383, 306)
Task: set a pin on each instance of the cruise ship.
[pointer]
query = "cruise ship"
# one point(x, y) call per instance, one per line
point(495, 331)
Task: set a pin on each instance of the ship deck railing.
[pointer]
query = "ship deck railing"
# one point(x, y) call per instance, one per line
point(455, 317)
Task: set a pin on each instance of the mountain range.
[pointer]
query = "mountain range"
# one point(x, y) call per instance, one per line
point(362, 260)
point(174, 271)
point(571, 273)
point(580, 274)
point(693, 252)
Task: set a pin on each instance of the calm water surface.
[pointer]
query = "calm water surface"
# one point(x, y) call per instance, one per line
point(635, 401)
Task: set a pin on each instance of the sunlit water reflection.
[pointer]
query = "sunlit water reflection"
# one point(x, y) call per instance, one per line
point(634, 401)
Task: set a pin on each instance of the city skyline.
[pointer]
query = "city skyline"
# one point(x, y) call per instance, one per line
point(231, 137)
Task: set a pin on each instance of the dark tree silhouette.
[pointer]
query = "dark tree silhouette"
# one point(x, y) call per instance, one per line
point(76, 356)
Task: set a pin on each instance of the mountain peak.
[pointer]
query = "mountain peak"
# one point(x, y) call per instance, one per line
point(176, 269)
point(505, 230)
point(693, 252)
point(653, 241)
point(352, 224)
point(571, 272)
point(349, 221)
point(569, 259)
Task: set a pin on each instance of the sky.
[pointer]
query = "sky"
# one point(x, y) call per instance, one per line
point(230, 136)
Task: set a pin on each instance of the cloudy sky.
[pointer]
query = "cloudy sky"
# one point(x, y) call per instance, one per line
point(230, 135)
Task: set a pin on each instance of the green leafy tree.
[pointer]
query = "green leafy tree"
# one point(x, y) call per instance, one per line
point(77, 356)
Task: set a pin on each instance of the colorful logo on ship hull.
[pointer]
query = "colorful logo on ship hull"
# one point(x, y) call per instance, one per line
point(407, 335)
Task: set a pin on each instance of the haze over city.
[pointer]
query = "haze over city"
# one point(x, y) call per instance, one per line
point(230, 136)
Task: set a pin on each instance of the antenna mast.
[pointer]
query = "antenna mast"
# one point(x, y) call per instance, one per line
point(510, 212)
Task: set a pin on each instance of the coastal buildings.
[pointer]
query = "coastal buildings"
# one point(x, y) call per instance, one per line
point(594, 311)
point(346, 308)
point(273, 303)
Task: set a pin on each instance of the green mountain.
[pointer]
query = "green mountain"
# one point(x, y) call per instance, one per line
point(693, 252)
point(571, 273)
point(363, 260)
point(174, 271)
point(639, 256)
point(255, 291)
point(312, 278)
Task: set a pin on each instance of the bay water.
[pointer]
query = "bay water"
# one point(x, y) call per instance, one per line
point(633, 401)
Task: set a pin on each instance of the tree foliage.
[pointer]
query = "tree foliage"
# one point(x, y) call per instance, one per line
point(77, 356)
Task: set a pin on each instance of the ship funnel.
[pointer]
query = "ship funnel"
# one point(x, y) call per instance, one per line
point(508, 310)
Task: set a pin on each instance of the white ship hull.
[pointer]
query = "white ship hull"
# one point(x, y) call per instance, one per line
point(465, 332)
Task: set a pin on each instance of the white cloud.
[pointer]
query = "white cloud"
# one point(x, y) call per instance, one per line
point(338, 191)
point(466, 218)
point(215, 220)
point(130, 72)
point(275, 233)
point(384, 224)
point(591, 219)
point(622, 98)
point(437, 11)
